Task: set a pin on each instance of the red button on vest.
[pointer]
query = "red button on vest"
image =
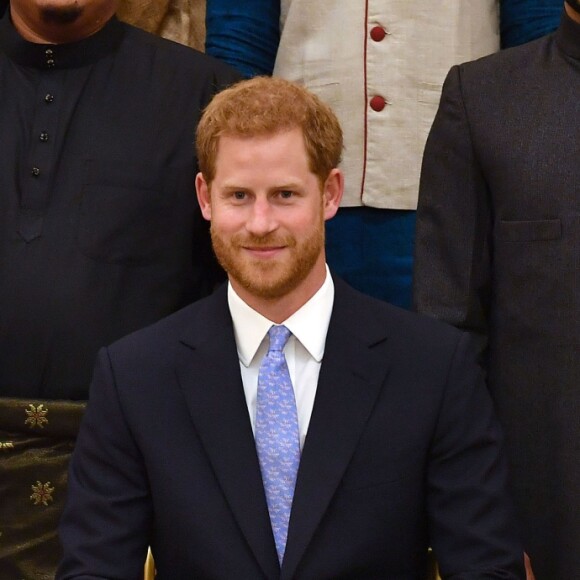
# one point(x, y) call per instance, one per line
point(378, 33)
point(378, 103)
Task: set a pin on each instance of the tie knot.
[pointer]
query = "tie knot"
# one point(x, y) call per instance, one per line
point(279, 336)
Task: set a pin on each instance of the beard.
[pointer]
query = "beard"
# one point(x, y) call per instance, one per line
point(268, 279)
point(61, 14)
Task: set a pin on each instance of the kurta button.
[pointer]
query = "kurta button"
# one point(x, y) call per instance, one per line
point(378, 103)
point(48, 98)
point(378, 33)
point(50, 63)
point(35, 172)
point(44, 136)
point(48, 52)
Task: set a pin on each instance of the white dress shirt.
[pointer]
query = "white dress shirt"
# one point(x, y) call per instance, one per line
point(303, 351)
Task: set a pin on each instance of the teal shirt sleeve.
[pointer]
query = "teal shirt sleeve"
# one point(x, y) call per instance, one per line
point(244, 33)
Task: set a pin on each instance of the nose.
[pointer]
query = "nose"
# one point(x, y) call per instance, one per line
point(261, 220)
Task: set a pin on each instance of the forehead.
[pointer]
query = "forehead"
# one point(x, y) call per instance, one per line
point(285, 149)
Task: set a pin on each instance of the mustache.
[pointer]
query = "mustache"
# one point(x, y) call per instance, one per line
point(267, 241)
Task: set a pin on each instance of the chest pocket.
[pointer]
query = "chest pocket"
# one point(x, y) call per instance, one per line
point(126, 211)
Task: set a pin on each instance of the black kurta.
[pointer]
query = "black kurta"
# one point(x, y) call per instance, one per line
point(99, 228)
point(498, 253)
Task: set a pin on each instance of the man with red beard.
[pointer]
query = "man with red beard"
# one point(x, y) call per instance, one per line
point(287, 426)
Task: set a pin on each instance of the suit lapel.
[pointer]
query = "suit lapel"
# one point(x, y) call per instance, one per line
point(209, 375)
point(352, 373)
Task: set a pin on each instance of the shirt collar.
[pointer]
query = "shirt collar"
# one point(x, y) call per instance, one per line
point(568, 36)
point(59, 56)
point(309, 324)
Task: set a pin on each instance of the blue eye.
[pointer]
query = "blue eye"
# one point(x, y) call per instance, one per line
point(239, 194)
point(286, 194)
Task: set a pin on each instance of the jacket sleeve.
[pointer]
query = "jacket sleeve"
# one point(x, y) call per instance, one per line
point(452, 249)
point(106, 522)
point(472, 523)
point(244, 34)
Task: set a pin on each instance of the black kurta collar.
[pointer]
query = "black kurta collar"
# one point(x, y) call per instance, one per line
point(568, 37)
point(59, 56)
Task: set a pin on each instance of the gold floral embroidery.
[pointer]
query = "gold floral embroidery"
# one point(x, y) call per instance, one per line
point(42, 493)
point(6, 445)
point(36, 416)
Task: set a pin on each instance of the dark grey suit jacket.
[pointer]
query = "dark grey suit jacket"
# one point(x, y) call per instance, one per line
point(498, 254)
point(402, 451)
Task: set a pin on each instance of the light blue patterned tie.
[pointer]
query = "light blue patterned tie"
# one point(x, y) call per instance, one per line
point(277, 435)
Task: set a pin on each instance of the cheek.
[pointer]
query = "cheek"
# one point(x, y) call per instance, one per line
point(304, 225)
point(227, 221)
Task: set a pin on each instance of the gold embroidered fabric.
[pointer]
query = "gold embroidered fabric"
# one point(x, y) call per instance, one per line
point(179, 20)
point(36, 442)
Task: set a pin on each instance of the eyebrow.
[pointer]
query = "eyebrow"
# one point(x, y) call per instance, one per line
point(282, 187)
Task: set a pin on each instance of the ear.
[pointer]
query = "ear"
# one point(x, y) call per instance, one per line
point(332, 193)
point(203, 196)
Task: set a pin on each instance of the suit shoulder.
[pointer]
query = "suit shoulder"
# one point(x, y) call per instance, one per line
point(163, 334)
point(411, 344)
point(518, 60)
point(374, 316)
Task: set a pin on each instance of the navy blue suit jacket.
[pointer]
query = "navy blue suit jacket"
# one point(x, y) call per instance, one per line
point(402, 452)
